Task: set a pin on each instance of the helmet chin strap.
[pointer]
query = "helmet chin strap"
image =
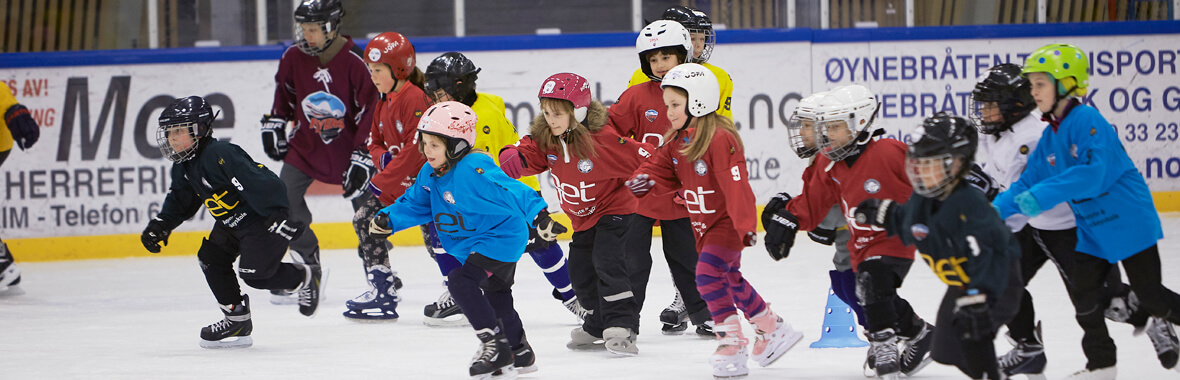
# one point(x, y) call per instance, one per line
point(687, 121)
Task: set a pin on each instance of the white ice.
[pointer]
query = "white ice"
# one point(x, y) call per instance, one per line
point(140, 318)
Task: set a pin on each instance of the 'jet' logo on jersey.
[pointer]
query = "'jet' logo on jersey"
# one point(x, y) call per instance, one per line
point(695, 201)
point(571, 194)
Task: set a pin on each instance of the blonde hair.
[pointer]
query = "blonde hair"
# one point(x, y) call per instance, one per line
point(450, 162)
point(578, 137)
point(706, 127)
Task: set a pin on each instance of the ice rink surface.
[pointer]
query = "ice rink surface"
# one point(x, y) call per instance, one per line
point(140, 318)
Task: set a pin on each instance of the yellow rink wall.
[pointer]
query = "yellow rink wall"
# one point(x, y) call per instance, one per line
point(331, 236)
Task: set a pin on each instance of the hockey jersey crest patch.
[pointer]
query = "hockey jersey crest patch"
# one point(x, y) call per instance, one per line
point(700, 167)
point(1052, 159)
point(325, 114)
point(447, 196)
point(872, 186)
point(551, 157)
point(919, 231)
point(651, 115)
point(585, 165)
point(1024, 149)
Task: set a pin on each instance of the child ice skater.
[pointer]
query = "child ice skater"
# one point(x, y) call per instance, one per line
point(483, 219)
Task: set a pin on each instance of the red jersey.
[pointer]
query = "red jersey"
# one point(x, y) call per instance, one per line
point(395, 130)
point(337, 95)
point(879, 172)
point(716, 187)
point(590, 187)
point(639, 114)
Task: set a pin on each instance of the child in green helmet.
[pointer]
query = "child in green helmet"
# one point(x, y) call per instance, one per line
point(1080, 160)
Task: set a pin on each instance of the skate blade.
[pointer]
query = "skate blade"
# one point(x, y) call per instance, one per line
point(291, 299)
point(1036, 376)
point(677, 329)
point(586, 346)
point(370, 316)
point(923, 364)
point(234, 342)
point(728, 377)
point(519, 371)
point(507, 372)
point(622, 349)
point(793, 338)
point(11, 290)
point(457, 320)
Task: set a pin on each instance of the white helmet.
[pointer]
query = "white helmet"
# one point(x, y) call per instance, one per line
point(704, 94)
point(661, 34)
point(843, 125)
point(801, 126)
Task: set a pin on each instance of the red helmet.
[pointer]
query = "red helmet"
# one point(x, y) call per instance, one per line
point(453, 121)
point(392, 49)
point(571, 87)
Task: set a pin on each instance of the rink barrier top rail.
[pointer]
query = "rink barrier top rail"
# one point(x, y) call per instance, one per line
point(597, 40)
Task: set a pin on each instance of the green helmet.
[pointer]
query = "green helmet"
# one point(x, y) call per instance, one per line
point(1061, 61)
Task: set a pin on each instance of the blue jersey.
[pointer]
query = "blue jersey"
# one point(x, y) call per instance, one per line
point(1084, 163)
point(475, 207)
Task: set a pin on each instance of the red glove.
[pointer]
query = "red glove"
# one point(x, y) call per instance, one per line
point(678, 198)
point(640, 184)
point(511, 162)
point(750, 239)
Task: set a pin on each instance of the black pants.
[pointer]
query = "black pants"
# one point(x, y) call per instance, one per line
point(598, 272)
point(482, 287)
point(297, 183)
point(681, 254)
point(261, 265)
point(1040, 246)
point(1143, 272)
point(975, 357)
point(877, 280)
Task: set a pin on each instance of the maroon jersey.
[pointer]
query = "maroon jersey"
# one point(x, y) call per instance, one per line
point(639, 114)
point(716, 188)
point(590, 187)
point(334, 96)
point(395, 130)
point(879, 172)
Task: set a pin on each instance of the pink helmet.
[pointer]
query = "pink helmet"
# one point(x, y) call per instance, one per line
point(571, 87)
point(453, 121)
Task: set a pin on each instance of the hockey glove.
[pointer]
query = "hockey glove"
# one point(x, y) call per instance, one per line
point(971, 319)
point(512, 162)
point(640, 184)
point(980, 180)
point(1028, 204)
point(280, 224)
point(780, 200)
point(24, 129)
point(356, 178)
point(379, 226)
point(385, 159)
point(274, 137)
point(874, 211)
point(822, 235)
point(154, 235)
point(545, 228)
point(781, 227)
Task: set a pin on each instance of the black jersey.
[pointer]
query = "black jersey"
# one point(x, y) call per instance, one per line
point(236, 190)
point(962, 238)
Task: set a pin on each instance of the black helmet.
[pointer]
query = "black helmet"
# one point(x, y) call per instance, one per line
point(696, 22)
point(1010, 91)
point(326, 13)
point(191, 116)
point(941, 138)
point(453, 73)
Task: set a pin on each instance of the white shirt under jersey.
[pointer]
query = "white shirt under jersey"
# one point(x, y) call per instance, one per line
point(1004, 160)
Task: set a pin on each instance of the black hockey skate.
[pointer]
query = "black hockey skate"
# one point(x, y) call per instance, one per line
point(916, 354)
point(705, 330)
point(1026, 358)
point(1163, 337)
point(675, 317)
point(493, 356)
point(523, 359)
point(9, 273)
point(444, 313)
point(233, 331)
point(313, 287)
point(883, 356)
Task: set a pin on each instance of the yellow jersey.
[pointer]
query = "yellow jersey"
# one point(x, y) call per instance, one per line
point(723, 81)
point(7, 100)
point(495, 131)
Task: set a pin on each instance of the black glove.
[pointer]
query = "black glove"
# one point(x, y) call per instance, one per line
point(274, 137)
point(971, 318)
point(357, 176)
point(545, 228)
point(280, 224)
point(781, 227)
point(154, 235)
point(24, 129)
point(822, 235)
point(379, 226)
point(874, 211)
point(980, 180)
point(778, 201)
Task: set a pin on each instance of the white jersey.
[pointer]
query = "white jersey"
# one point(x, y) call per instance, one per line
point(1004, 160)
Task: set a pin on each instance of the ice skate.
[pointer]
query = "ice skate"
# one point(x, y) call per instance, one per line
point(675, 317)
point(233, 331)
point(314, 282)
point(883, 355)
point(573, 306)
point(775, 337)
point(493, 356)
point(444, 313)
point(1026, 358)
point(379, 304)
point(705, 330)
point(1108, 373)
point(729, 360)
point(9, 273)
point(524, 359)
point(1163, 337)
point(620, 341)
point(916, 354)
point(580, 340)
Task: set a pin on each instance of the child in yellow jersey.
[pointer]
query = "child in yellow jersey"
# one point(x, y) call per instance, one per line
point(16, 128)
point(700, 29)
point(452, 76)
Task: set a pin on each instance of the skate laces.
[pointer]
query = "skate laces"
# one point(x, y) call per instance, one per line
point(576, 307)
point(677, 304)
point(1162, 335)
point(1018, 354)
point(911, 347)
point(224, 324)
point(445, 301)
point(305, 292)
